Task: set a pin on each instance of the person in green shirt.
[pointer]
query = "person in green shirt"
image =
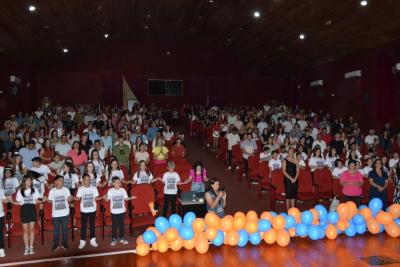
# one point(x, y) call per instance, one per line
point(122, 152)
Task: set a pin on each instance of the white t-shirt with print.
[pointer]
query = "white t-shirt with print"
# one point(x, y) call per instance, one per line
point(2, 197)
point(29, 198)
point(59, 199)
point(142, 177)
point(275, 164)
point(171, 180)
point(117, 200)
point(337, 172)
point(10, 185)
point(39, 185)
point(70, 181)
point(88, 198)
point(315, 162)
point(115, 173)
point(93, 180)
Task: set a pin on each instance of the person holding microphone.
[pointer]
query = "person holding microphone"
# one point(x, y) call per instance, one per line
point(216, 198)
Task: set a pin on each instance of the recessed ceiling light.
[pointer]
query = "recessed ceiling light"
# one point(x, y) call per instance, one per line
point(256, 14)
point(168, 53)
point(302, 36)
point(106, 35)
point(210, 1)
point(364, 3)
point(32, 8)
point(65, 50)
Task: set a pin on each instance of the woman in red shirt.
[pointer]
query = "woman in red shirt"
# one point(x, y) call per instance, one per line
point(352, 182)
point(178, 149)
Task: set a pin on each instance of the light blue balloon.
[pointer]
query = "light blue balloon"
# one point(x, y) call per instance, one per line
point(149, 237)
point(243, 238)
point(397, 221)
point(175, 221)
point(186, 233)
point(375, 205)
point(161, 224)
point(290, 222)
point(333, 217)
point(264, 225)
point(301, 230)
point(273, 213)
point(361, 228)
point(307, 217)
point(255, 238)
point(322, 212)
point(358, 219)
point(362, 207)
point(219, 239)
point(189, 218)
point(283, 214)
point(381, 228)
point(350, 230)
point(314, 232)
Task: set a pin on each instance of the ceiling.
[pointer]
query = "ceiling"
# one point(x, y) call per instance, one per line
point(333, 28)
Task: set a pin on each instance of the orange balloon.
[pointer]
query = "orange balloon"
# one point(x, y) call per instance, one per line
point(211, 233)
point(282, 238)
point(171, 234)
point(188, 244)
point(198, 225)
point(342, 225)
point(251, 226)
point(177, 244)
point(239, 214)
point(366, 213)
point(201, 244)
point(239, 222)
point(162, 244)
point(315, 216)
point(394, 209)
point(212, 220)
point(142, 249)
point(227, 223)
point(152, 228)
point(352, 208)
point(278, 222)
point(139, 240)
point(295, 213)
point(384, 217)
point(232, 238)
point(266, 215)
point(292, 232)
point(373, 226)
point(331, 232)
point(392, 229)
point(251, 215)
point(270, 236)
point(343, 211)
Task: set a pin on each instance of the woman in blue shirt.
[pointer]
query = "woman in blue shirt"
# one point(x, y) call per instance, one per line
point(378, 179)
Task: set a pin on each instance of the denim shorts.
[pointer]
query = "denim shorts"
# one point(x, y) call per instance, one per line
point(198, 187)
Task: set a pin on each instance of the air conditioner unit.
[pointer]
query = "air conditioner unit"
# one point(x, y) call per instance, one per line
point(351, 74)
point(317, 83)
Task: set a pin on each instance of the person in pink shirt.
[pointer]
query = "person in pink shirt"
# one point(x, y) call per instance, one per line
point(198, 176)
point(352, 182)
point(78, 156)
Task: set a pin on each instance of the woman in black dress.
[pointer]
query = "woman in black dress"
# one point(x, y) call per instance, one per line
point(290, 167)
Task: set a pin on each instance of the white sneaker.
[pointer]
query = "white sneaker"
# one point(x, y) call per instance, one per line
point(93, 242)
point(31, 252)
point(26, 251)
point(113, 242)
point(124, 241)
point(2, 254)
point(82, 244)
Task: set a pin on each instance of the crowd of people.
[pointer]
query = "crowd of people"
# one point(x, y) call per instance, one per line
point(291, 138)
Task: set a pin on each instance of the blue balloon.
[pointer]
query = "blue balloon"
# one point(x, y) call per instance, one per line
point(273, 213)
point(333, 217)
point(362, 207)
point(175, 221)
point(307, 217)
point(243, 238)
point(186, 233)
point(283, 214)
point(381, 228)
point(375, 205)
point(161, 224)
point(361, 228)
point(264, 225)
point(189, 218)
point(314, 232)
point(321, 232)
point(322, 212)
point(255, 238)
point(351, 230)
point(301, 229)
point(149, 237)
point(290, 222)
point(219, 239)
point(397, 221)
point(358, 219)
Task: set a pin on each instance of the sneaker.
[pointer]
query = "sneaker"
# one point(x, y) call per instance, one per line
point(82, 244)
point(124, 241)
point(113, 242)
point(55, 248)
point(93, 242)
point(26, 251)
point(2, 254)
point(31, 252)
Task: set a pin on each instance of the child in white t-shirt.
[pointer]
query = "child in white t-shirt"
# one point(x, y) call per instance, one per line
point(274, 163)
point(9, 182)
point(117, 197)
point(143, 175)
point(43, 170)
point(59, 197)
point(87, 195)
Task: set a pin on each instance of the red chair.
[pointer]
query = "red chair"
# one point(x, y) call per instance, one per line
point(265, 183)
point(222, 148)
point(237, 156)
point(323, 181)
point(253, 173)
point(277, 184)
point(141, 213)
point(336, 187)
point(180, 161)
point(365, 191)
point(307, 190)
point(183, 171)
point(390, 192)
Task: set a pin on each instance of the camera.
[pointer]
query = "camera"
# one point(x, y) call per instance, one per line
point(222, 189)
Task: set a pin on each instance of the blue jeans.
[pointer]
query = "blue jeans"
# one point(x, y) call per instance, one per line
point(198, 187)
point(63, 223)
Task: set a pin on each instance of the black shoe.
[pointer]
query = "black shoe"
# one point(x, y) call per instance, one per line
point(54, 248)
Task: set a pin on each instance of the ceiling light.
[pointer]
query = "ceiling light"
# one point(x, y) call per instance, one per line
point(106, 35)
point(210, 1)
point(65, 50)
point(32, 8)
point(364, 3)
point(302, 36)
point(328, 22)
point(256, 14)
